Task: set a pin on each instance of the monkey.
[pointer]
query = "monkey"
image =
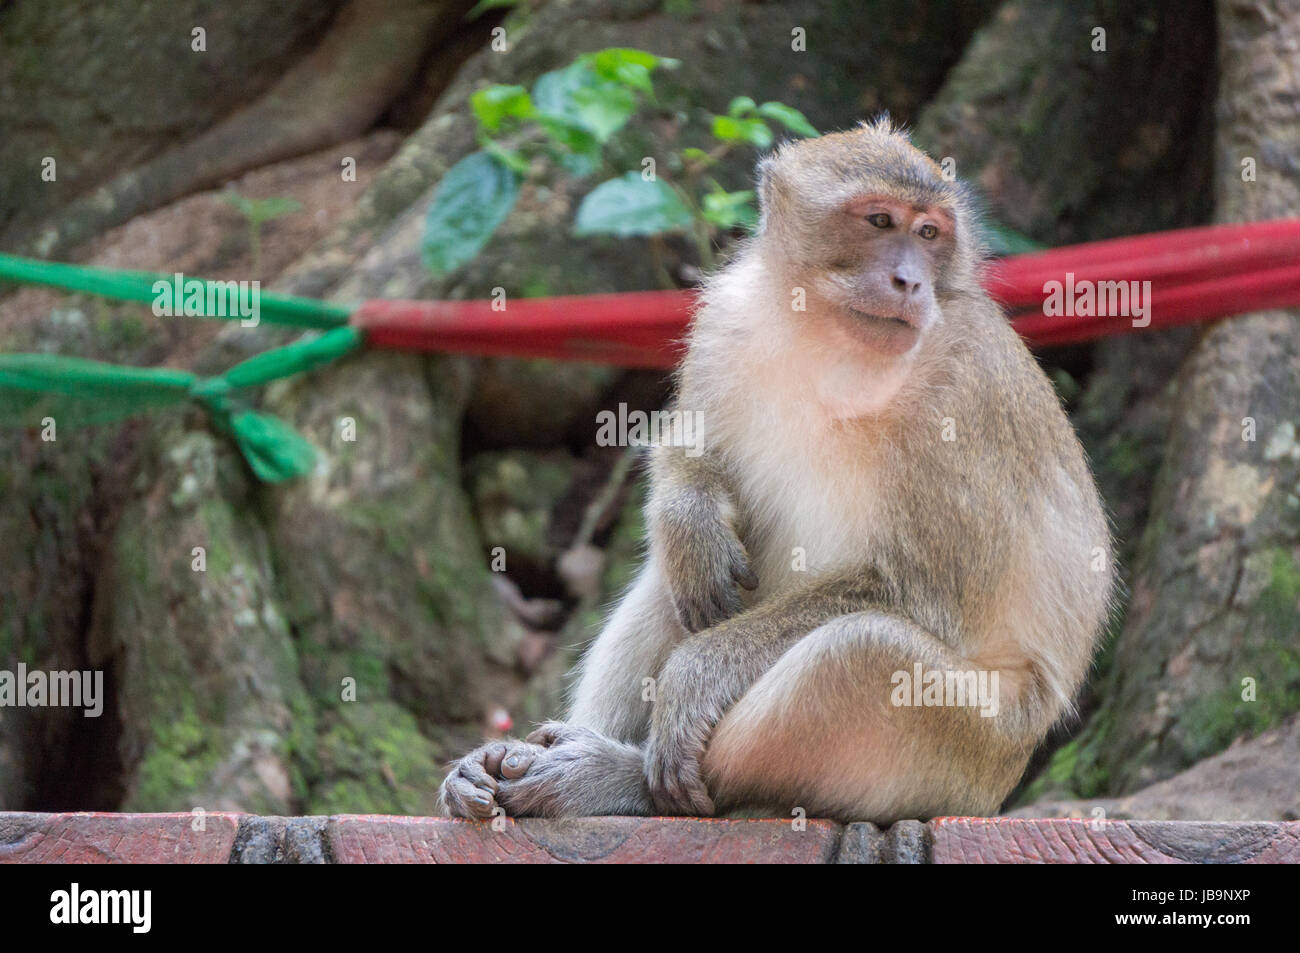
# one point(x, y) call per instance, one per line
point(887, 491)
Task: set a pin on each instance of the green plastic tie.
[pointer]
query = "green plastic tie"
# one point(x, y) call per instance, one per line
point(34, 386)
point(141, 286)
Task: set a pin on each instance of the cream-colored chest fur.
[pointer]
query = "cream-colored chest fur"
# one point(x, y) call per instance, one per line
point(809, 484)
point(781, 396)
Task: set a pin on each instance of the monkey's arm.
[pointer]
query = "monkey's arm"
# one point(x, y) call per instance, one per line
point(693, 518)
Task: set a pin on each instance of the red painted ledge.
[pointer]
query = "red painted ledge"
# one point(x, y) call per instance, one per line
point(245, 838)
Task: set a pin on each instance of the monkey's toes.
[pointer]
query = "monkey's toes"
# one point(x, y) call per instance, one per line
point(516, 765)
point(547, 733)
point(471, 786)
point(510, 761)
point(461, 797)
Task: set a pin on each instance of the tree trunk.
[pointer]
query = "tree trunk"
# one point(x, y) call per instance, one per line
point(1211, 646)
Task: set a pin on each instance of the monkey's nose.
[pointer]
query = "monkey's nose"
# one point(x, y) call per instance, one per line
point(906, 283)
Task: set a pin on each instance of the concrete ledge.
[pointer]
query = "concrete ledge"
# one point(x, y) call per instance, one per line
point(604, 840)
point(1003, 840)
point(362, 839)
point(117, 838)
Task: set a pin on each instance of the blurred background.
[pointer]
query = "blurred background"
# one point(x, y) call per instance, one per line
point(348, 634)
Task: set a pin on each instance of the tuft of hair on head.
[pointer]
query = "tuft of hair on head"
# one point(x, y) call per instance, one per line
point(884, 124)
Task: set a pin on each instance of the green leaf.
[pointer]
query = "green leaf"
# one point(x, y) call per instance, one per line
point(604, 108)
point(628, 67)
point(753, 131)
point(741, 106)
point(577, 150)
point(789, 117)
point(553, 91)
point(495, 104)
point(568, 133)
point(727, 129)
point(509, 158)
point(258, 211)
point(576, 95)
point(472, 199)
point(729, 209)
point(608, 60)
point(630, 205)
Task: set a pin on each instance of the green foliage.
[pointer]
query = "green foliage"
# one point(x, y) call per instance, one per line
point(473, 198)
point(753, 131)
point(565, 122)
point(494, 105)
point(260, 211)
point(257, 212)
point(632, 205)
point(630, 68)
point(730, 209)
point(792, 119)
point(747, 122)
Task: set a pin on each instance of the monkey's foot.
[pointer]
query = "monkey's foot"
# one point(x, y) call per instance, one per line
point(471, 786)
point(558, 771)
point(675, 783)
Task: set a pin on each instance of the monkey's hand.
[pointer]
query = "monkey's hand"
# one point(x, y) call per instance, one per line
point(680, 726)
point(704, 560)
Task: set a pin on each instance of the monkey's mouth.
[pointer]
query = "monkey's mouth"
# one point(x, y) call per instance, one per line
point(885, 319)
point(884, 333)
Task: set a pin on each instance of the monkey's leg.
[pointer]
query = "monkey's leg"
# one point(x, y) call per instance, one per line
point(819, 730)
point(610, 696)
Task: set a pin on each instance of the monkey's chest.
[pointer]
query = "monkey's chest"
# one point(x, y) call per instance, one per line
point(808, 515)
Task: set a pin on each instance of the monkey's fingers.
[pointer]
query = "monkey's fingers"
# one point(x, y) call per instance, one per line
point(679, 791)
point(694, 797)
point(703, 609)
point(742, 572)
point(682, 801)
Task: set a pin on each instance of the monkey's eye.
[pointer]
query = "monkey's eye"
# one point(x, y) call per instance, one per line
point(928, 231)
point(880, 220)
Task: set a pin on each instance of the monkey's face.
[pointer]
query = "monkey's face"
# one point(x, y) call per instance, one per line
point(870, 228)
point(878, 282)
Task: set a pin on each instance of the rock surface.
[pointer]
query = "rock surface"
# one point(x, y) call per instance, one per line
point(1258, 779)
